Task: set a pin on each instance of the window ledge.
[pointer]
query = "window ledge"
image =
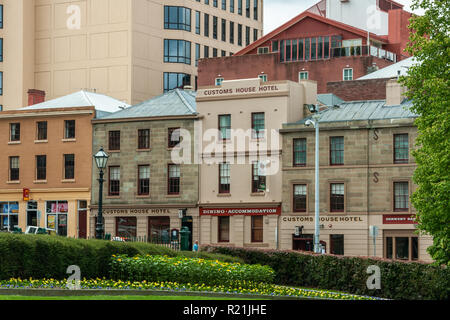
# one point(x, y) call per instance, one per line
point(173, 196)
point(256, 244)
point(224, 195)
point(143, 197)
point(40, 181)
point(143, 150)
point(68, 181)
point(112, 197)
point(14, 142)
point(12, 182)
point(257, 194)
point(113, 151)
point(40, 141)
point(69, 140)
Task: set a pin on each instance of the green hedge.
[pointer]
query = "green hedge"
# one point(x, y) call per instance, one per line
point(154, 268)
point(43, 256)
point(399, 280)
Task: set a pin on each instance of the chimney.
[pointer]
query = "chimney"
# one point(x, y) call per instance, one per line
point(395, 93)
point(35, 96)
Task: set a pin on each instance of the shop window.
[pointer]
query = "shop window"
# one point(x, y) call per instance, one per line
point(336, 151)
point(126, 227)
point(401, 148)
point(41, 167)
point(173, 137)
point(401, 245)
point(14, 169)
point(300, 198)
point(69, 166)
point(257, 228)
point(224, 229)
point(258, 125)
point(9, 215)
point(69, 129)
point(159, 230)
point(144, 139)
point(173, 179)
point(14, 130)
point(299, 152)
point(114, 181)
point(337, 244)
point(337, 197)
point(114, 141)
point(401, 196)
point(144, 180)
point(41, 130)
point(224, 178)
point(57, 216)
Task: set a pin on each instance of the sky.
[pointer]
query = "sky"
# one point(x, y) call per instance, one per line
point(277, 12)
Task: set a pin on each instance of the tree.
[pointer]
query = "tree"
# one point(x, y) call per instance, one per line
point(428, 87)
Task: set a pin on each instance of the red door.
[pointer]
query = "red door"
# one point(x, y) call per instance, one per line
point(82, 224)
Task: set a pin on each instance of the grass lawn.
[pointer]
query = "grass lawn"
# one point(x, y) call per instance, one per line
point(99, 297)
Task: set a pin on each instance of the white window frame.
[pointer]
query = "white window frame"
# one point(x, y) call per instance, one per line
point(218, 81)
point(303, 72)
point(263, 77)
point(263, 50)
point(343, 74)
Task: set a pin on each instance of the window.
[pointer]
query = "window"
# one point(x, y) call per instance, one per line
point(348, 74)
point(219, 81)
point(275, 46)
point(313, 48)
point(197, 22)
point(175, 80)
point(255, 35)
point(258, 178)
point(224, 30)
point(225, 126)
point(401, 245)
point(1, 49)
point(232, 6)
point(231, 32)
point(144, 180)
point(69, 166)
point(206, 25)
point(215, 26)
point(144, 139)
point(206, 52)
point(337, 197)
point(41, 167)
point(9, 215)
point(1, 83)
point(14, 129)
point(114, 181)
point(257, 228)
point(307, 49)
point(177, 51)
point(299, 152)
point(177, 18)
point(247, 8)
point(69, 129)
point(223, 53)
point(173, 137)
point(263, 77)
point(303, 75)
point(114, 141)
point(159, 230)
point(126, 227)
point(336, 151)
point(224, 229)
point(173, 179)
point(240, 7)
point(401, 196)
point(263, 50)
point(337, 244)
point(258, 125)
point(224, 4)
point(224, 178)
point(247, 36)
point(215, 3)
point(255, 9)
point(42, 130)
point(215, 53)
point(197, 54)
point(206, 1)
point(1, 16)
point(300, 198)
point(240, 34)
point(13, 168)
point(401, 148)
point(57, 216)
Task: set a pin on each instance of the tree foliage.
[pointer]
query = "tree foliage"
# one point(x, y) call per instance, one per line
point(428, 86)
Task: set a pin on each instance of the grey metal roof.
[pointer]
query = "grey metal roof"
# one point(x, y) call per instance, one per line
point(364, 110)
point(173, 103)
point(392, 70)
point(82, 98)
point(329, 99)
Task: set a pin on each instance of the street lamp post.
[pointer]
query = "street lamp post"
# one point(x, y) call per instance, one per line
point(315, 123)
point(101, 158)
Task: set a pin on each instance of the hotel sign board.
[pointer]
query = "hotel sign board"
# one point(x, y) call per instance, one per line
point(399, 219)
point(240, 211)
point(246, 90)
point(135, 211)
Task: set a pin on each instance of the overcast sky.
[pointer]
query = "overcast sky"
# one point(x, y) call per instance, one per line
point(277, 12)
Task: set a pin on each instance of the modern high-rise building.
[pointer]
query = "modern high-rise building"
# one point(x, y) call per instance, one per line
point(131, 50)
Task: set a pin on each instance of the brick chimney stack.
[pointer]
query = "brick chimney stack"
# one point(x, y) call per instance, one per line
point(35, 96)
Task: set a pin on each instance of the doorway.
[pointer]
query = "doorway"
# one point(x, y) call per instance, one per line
point(32, 214)
point(187, 222)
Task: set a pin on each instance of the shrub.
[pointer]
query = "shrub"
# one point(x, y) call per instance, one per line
point(399, 280)
point(43, 256)
point(186, 270)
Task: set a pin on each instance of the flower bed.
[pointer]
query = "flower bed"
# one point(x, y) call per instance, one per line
point(186, 270)
point(235, 288)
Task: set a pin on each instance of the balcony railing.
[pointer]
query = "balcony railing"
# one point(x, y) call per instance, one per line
point(363, 51)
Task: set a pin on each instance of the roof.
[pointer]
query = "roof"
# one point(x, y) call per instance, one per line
point(82, 99)
point(364, 110)
point(299, 18)
point(392, 70)
point(329, 99)
point(173, 103)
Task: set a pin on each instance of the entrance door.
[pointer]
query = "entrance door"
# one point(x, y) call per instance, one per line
point(32, 216)
point(187, 222)
point(82, 219)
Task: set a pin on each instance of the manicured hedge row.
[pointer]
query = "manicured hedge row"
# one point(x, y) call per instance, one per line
point(154, 268)
point(43, 256)
point(399, 280)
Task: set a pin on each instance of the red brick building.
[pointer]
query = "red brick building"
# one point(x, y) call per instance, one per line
point(312, 46)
